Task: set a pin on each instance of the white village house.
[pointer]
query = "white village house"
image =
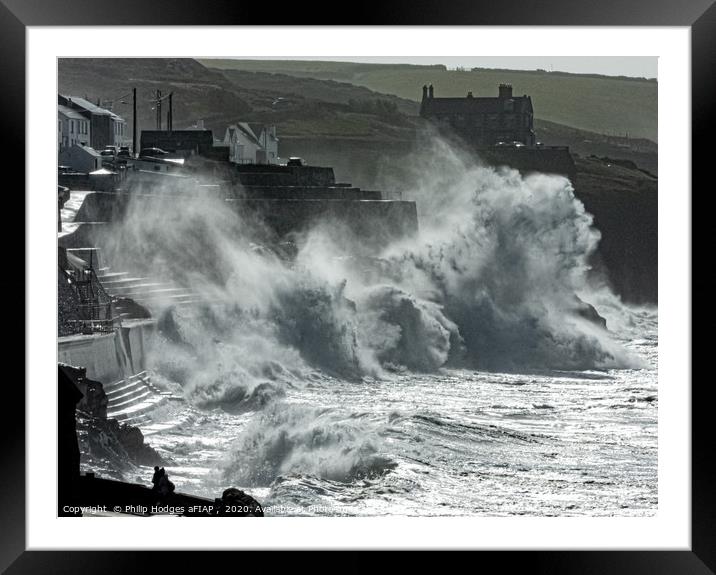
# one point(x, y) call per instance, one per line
point(104, 128)
point(72, 128)
point(251, 143)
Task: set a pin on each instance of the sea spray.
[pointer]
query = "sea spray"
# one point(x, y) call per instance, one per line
point(294, 439)
point(491, 282)
point(499, 261)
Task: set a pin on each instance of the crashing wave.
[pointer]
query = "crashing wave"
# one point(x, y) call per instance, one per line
point(289, 439)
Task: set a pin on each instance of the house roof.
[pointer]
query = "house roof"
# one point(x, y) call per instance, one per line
point(88, 150)
point(246, 129)
point(257, 128)
point(79, 149)
point(250, 130)
point(471, 105)
point(92, 108)
point(69, 112)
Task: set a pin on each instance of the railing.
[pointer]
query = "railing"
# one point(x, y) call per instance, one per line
point(89, 326)
point(95, 307)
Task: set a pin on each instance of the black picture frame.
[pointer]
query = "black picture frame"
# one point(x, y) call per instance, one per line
point(699, 15)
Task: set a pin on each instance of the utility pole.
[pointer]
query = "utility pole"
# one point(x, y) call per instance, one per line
point(170, 113)
point(159, 110)
point(134, 122)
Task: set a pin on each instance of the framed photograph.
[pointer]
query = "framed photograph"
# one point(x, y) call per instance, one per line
point(417, 280)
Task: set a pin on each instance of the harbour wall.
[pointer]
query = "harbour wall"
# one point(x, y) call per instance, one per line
point(109, 357)
point(283, 211)
point(374, 222)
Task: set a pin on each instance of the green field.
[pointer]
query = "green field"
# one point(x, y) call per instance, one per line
point(605, 105)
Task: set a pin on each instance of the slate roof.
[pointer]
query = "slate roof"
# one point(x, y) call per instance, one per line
point(70, 113)
point(92, 108)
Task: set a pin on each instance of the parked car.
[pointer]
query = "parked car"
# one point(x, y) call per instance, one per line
point(124, 152)
point(152, 153)
point(513, 144)
point(294, 161)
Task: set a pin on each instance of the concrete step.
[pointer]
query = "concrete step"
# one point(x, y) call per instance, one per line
point(140, 376)
point(109, 274)
point(138, 420)
point(137, 409)
point(138, 290)
point(131, 285)
point(121, 387)
point(170, 299)
point(144, 394)
point(122, 397)
point(114, 283)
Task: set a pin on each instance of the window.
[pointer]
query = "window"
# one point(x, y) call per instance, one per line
point(72, 126)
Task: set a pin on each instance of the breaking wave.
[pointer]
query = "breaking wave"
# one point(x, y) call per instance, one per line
point(497, 278)
point(289, 439)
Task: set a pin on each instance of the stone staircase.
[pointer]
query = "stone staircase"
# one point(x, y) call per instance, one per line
point(146, 291)
point(131, 400)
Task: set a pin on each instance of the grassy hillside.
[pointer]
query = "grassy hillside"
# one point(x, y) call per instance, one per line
point(601, 104)
point(309, 113)
point(370, 139)
point(292, 88)
point(199, 93)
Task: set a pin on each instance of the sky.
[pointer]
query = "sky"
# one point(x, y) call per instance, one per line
point(635, 66)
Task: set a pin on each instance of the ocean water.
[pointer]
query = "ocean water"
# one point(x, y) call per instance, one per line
point(457, 442)
point(466, 370)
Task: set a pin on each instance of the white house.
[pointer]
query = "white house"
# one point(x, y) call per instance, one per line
point(72, 127)
point(80, 158)
point(251, 143)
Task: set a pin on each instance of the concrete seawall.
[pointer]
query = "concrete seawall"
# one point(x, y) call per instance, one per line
point(109, 357)
point(360, 211)
point(373, 221)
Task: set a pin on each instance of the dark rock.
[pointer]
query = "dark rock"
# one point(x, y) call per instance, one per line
point(237, 503)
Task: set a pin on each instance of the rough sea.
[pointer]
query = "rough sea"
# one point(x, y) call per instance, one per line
point(463, 371)
point(457, 442)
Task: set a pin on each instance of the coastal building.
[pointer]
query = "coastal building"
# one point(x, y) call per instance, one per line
point(252, 143)
point(181, 142)
point(80, 158)
point(504, 119)
point(191, 142)
point(72, 128)
point(105, 127)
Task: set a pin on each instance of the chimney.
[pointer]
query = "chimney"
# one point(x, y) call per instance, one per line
point(469, 94)
point(505, 90)
point(430, 91)
point(425, 91)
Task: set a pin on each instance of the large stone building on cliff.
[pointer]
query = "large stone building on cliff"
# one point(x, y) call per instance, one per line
point(483, 121)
